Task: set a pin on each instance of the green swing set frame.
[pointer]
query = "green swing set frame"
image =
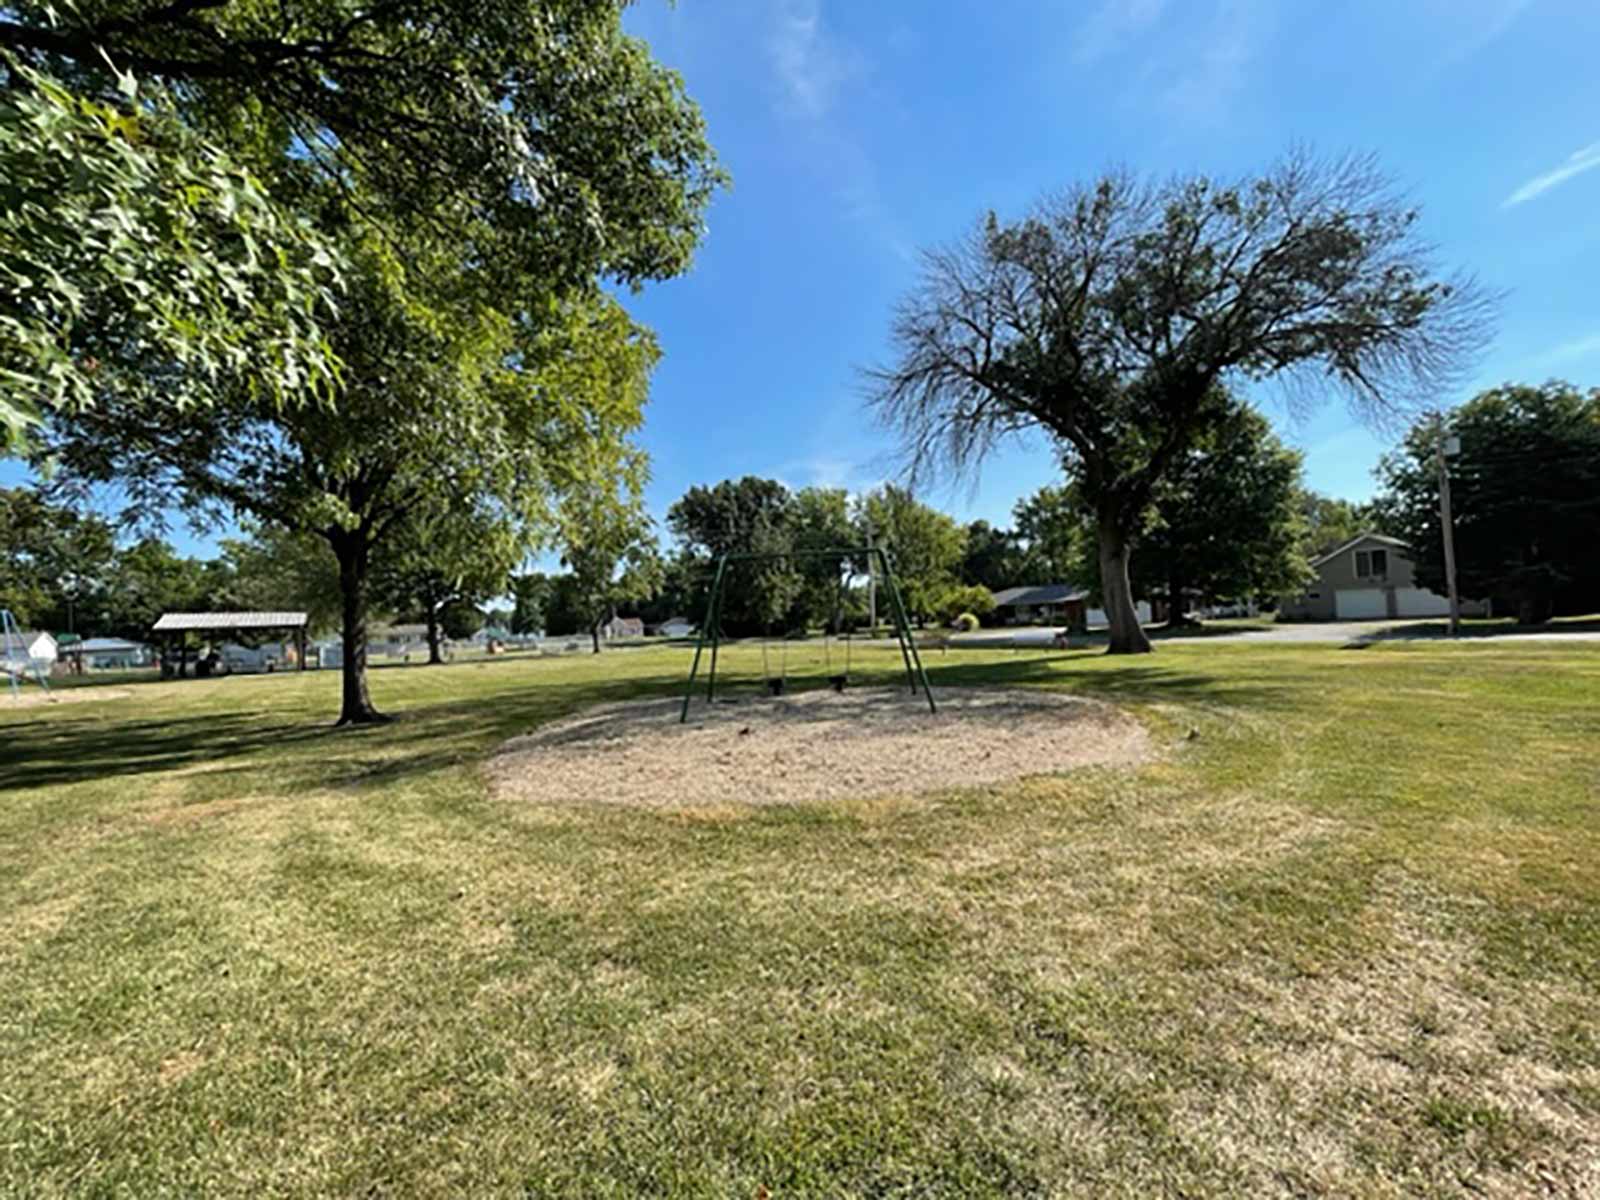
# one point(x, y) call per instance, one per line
point(711, 627)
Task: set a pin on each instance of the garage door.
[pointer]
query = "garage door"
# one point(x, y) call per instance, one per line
point(1419, 602)
point(1360, 604)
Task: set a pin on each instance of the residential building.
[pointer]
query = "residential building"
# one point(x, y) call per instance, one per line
point(1043, 604)
point(1369, 578)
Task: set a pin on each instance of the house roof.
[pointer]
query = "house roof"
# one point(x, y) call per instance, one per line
point(1044, 593)
point(33, 635)
point(180, 622)
point(1356, 541)
point(106, 645)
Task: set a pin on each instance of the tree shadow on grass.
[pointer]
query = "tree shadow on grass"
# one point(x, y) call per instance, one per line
point(290, 752)
point(1146, 682)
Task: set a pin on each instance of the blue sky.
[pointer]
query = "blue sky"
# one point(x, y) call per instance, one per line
point(857, 132)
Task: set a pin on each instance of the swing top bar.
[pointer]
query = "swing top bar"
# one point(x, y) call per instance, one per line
point(844, 552)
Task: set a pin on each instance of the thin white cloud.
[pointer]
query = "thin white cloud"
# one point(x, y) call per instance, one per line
point(1214, 65)
point(1583, 347)
point(1469, 25)
point(1113, 25)
point(810, 66)
point(1580, 161)
point(818, 75)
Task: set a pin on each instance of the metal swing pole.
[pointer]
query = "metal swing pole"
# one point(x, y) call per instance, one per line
point(699, 644)
point(716, 634)
point(900, 637)
point(908, 647)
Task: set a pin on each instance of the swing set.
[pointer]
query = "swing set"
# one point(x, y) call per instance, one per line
point(711, 627)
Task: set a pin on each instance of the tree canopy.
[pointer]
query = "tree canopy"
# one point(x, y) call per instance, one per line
point(1107, 317)
point(58, 565)
point(1525, 498)
point(141, 260)
point(1331, 521)
point(535, 131)
point(925, 545)
point(1225, 523)
point(1051, 531)
point(993, 557)
point(441, 411)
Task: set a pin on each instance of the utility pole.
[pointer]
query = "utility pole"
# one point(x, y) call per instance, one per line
point(872, 585)
point(1445, 446)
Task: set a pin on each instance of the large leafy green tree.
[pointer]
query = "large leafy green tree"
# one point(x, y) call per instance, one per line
point(438, 567)
point(160, 158)
point(820, 523)
point(926, 546)
point(741, 516)
point(536, 131)
point(531, 594)
point(151, 578)
point(1056, 544)
point(993, 557)
point(608, 543)
point(1525, 498)
point(1225, 522)
point(439, 410)
point(57, 564)
point(1107, 317)
point(141, 260)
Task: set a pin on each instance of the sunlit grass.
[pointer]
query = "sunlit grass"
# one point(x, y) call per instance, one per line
point(1343, 937)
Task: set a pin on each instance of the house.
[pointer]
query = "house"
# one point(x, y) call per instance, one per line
point(1043, 604)
point(675, 627)
point(109, 654)
point(622, 627)
point(400, 641)
point(38, 648)
point(1369, 578)
point(1056, 604)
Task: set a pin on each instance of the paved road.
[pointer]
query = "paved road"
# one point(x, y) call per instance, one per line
point(1334, 632)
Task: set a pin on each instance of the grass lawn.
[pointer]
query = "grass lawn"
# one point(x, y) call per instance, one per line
point(1342, 938)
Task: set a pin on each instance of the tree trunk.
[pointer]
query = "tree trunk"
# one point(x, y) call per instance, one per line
point(435, 656)
point(356, 708)
point(1127, 636)
point(1534, 607)
point(594, 632)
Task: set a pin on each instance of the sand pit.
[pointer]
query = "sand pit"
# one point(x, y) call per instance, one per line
point(813, 746)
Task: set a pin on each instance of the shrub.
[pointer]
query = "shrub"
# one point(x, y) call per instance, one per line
point(959, 602)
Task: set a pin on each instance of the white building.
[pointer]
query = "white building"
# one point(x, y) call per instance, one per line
point(622, 627)
point(38, 647)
